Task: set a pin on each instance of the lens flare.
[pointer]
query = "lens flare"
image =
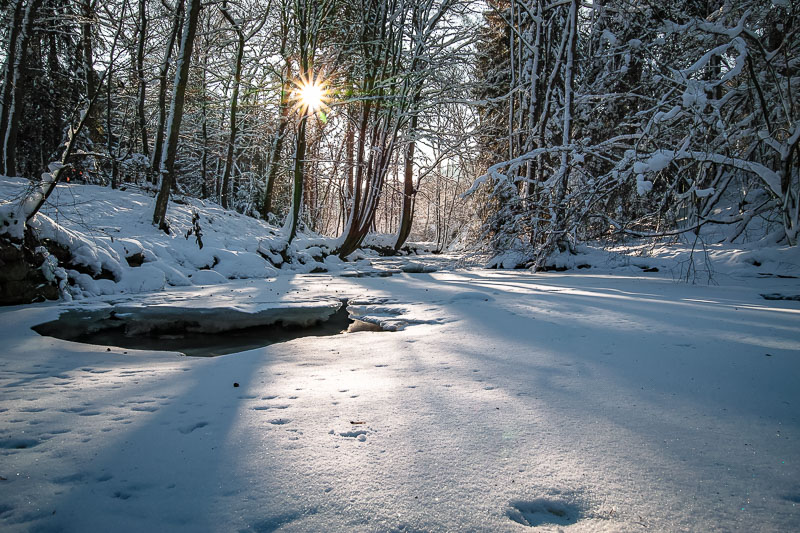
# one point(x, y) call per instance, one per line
point(310, 95)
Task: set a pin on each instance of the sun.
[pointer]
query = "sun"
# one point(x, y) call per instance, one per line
point(311, 95)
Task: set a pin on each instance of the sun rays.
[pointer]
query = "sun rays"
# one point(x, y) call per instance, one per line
point(311, 95)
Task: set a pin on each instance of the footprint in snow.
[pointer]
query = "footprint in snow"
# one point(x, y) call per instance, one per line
point(188, 429)
point(32, 409)
point(360, 434)
point(72, 478)
point(793, 497)
point(18, 443)
point(543, 511)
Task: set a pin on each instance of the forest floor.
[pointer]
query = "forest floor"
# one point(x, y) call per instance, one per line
point(582, 401)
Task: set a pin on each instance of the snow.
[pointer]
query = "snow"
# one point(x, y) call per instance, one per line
point(660, 159)
point(669, 115)
point(78, 218)
point(642, 185)
point(695, 95)
point(591, 402)
point(617, 397)
point(609, 37)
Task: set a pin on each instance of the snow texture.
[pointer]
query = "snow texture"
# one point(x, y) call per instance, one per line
point(586, 402)
point(104, 229)
point(610, 398)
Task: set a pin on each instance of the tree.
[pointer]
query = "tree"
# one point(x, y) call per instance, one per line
point(241, 40)
point(141, 116)
point(13, 95)
point(395, 41)
point(671, 119)
point(167, 167)
point(158, 143)
point(276, 145)
point(309, 17)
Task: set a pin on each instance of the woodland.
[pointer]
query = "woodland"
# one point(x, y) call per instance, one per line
point(529, 126)
point(399, 265)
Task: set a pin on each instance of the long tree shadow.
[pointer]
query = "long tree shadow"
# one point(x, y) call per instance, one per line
point(169, 430)
point(649, 384)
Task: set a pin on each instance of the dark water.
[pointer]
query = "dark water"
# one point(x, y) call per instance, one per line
point(202, 344)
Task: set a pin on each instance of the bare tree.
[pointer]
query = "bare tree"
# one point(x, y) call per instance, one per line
point(175, 116)
point(241, 40)
point(158, 143)
point(12, 93)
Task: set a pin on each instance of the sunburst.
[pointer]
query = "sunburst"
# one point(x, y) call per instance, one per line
point(311, 95)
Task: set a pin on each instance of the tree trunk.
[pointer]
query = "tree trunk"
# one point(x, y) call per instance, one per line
point(87, 49)
point(156, 161)
point(9, 72)
point(237, 78)
point(13, 85)
point(204, 132)
point(140, 95)
point(566, 136)
point(277, 143)
point(109, 131)
point(87, 57)
point(349, 147)
point(347, 246)
point(176, 115)
point(305, 40)
point(407, 212)
point(297, 191)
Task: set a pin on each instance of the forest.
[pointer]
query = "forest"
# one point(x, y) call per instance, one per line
point(524, 126)
point(399, 266)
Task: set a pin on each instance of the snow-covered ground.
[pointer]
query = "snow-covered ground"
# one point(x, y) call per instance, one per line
point(614, 396)
point(581, 400)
